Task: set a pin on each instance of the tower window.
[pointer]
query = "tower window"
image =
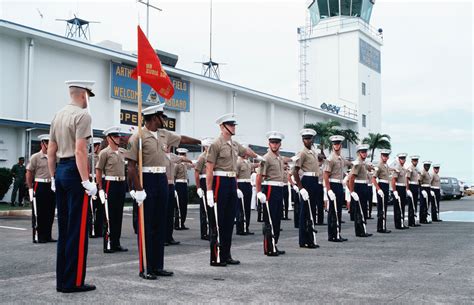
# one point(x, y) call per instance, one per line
point(364, 120)
point(363, 88)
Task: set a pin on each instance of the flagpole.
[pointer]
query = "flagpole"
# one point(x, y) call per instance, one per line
point(140, 174)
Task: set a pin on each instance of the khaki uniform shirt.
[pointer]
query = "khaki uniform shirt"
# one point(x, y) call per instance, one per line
point(181, 170)
point(171, 160)
point(153, 149)
point(223, 155)
point(413, 174)
point(435, 181)
point(335, 166)
point(382, 171)
point(272, 168)
point(308, 161)
point(111, 163)
point(359, 170)
point(39, 166)
point(425, 177)
point(244, 169)
point(201, 163)
point(400, 174)
point(70, 124)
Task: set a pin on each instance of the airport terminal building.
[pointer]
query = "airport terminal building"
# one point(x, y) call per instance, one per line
point(36, 63)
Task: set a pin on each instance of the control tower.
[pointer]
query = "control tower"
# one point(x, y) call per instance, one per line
point(340, 61)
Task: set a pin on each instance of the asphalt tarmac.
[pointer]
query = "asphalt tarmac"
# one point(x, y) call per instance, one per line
point(431, 264)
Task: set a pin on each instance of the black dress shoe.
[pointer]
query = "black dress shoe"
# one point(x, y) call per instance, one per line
point(231, 261)
point(250, 233)
point(42, 241)
point(364, 235)
point(336, 240)
point(221, 264)
point(241, 233)
point(343, 239)
point(120, 249)
point(51, 240)
point(272, 254)
point(437, 220)
point(184, 228)
point(178, 228)
point(370, 217)
point(108, 251)
point(173, 242)
point(309, 246)
point(59, 289)
point(147, 276)
point(342, 221)
point(163, 272)
point(205, 237)
point(416, 225)
point(82, 288)
point(280, 252)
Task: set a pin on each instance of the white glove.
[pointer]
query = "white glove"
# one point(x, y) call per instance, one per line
point(259, 158)
point(30, 192)
point(295, 158)
point(424, 193)
point(331, 195)
point(176, 194)
point(53, 185)
point(210, 198)
point(200, 192)
point(261, 196)
point(381, 194)
point(102, 196)
point(410, 194)
point(325, 195)
point(240, 195)
point(304, 194)
point(432, 193)
point(91, 187)
point(140, 196)
point(355, 196)
point(297, 190)
point(395, 194)
point(132, 194)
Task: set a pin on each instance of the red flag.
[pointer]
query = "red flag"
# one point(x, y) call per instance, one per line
point(150, 69)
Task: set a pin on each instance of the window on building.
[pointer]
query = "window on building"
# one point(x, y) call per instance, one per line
point(364, 120)
point(363, 88)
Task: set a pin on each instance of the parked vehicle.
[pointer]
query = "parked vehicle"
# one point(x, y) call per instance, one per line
point(450, 188)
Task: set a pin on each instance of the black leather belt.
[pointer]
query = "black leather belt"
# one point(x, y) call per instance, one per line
point(67, 159)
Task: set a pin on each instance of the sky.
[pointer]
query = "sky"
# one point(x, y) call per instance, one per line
point(427, 57)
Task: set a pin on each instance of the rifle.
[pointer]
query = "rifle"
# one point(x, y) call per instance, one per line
point(310, 225)
point(243, 212)
point(179, 209)
point(205, 211)
point(402, 215)
point(106, 207)
point(215, 240)
point(269, 235)
point(364, 221)
point(337, 219)
point(35, 214)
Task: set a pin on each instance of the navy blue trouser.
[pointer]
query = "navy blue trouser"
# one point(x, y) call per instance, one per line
point(204, 216)
point(246, 188)
point(45, 205)
point(399, 208)
point(286, 202)
point(435, 204)
point(225, 197)
point(275, 204)
point(382, 207)
point(368, 211)
point(311, 185)
point(295, 197)
point(332, 221)
point(73, 205)
point(156, 203)
point(424, 204)
point(170, 213)
point(182, 190)
point(320, 204)
point(413, 204)
point(115, 191)
point(358, 208)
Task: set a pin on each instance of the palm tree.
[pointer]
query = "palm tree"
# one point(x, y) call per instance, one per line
point(377, 140)
point(351, 136)
point(324, 130)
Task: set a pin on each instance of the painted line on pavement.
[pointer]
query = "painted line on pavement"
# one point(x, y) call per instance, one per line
point(13, 228)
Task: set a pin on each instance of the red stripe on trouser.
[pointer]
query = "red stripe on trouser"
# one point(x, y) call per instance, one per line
point(82, 239)
point(140, 252)
point(107, 185)
point(35, 187)
point(218, 182)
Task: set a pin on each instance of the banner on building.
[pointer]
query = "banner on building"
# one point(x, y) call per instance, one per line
point(130, 118)
point(123, 87)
